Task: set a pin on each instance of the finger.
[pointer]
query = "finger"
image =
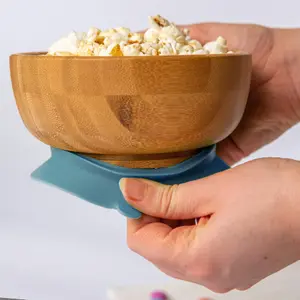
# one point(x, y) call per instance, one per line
point(178, 202)
point(176, 223)
point(207, 32)
point(190, 222)
point(240, 37)
point(134, 225)
point(202, 221)
point(229, 151)
point(204, 32)
point(172, 223)
point(159, 243)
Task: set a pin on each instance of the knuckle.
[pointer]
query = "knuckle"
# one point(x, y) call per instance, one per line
point(167, 200)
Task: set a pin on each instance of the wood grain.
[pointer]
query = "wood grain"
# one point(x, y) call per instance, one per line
point(131, 105)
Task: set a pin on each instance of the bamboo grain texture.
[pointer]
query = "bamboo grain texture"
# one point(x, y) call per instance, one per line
point(119, 108)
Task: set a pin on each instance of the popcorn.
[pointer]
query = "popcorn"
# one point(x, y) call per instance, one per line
point(214, 48)
point(186, 32)
point(151, 36)
point(219, 46)
point(115, 38)
point(92, 34)
point(135, 38)
point(167, 49)
point(172, 33)
point(108, 32)
point(186, 50)
point(124, 31)
point(221, 41)
point(195, 44)
point(115, 50)
point(149, 49)
point(158, 22)
point(87, 48)
point(131, 50)
point(67, 44)
point(162, 38)
point(200, 52)
point(102, 51)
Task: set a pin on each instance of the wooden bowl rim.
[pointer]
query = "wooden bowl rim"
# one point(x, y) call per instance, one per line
point(42, 55)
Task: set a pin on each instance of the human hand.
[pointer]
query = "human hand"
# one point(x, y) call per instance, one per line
point(249, 226)
point(274, 100)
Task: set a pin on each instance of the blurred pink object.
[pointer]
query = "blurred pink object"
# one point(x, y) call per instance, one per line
point(158, 295)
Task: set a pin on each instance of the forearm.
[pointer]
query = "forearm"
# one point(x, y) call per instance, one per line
point(290, 213)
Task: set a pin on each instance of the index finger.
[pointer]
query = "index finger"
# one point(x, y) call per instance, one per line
point(160, 243)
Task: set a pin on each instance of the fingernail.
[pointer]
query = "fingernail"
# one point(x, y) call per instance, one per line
point(133, 189)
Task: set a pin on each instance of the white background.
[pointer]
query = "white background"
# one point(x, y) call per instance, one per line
point(54, 246)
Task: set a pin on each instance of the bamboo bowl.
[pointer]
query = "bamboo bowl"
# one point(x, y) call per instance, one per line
point(138, 112)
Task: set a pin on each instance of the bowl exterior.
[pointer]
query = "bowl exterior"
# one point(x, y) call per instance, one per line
point(130, 105)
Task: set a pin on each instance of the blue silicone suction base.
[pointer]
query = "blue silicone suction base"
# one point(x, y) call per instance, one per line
point(98, 182)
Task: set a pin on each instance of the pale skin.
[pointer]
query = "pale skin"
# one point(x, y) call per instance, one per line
point(249, 224)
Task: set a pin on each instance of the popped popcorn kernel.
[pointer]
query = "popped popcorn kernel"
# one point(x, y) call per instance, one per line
point(115, 38)
point(200, 52)
point(186, 50)
point(92, 34)
point(86, 49)
point(172, 33)
point(158, 21)
point(115, 50)
point(135, 38)
point(151, 35)
point(221, 41)
point(149, 49)
point(215, 48)
point(100, 39)
point(66, 44)
point(195, 44)
point(162, 38)
point(186, 32)
point(108, 32)
point(167, 49)
point(124, 31)
point(131, 50)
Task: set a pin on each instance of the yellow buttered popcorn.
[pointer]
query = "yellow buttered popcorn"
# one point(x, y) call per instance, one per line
point(162, 38)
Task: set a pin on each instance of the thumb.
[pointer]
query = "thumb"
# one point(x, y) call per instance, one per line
point(178, 202)
point(237, 35)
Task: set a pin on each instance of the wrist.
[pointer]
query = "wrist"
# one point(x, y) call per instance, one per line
point(287, 53)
